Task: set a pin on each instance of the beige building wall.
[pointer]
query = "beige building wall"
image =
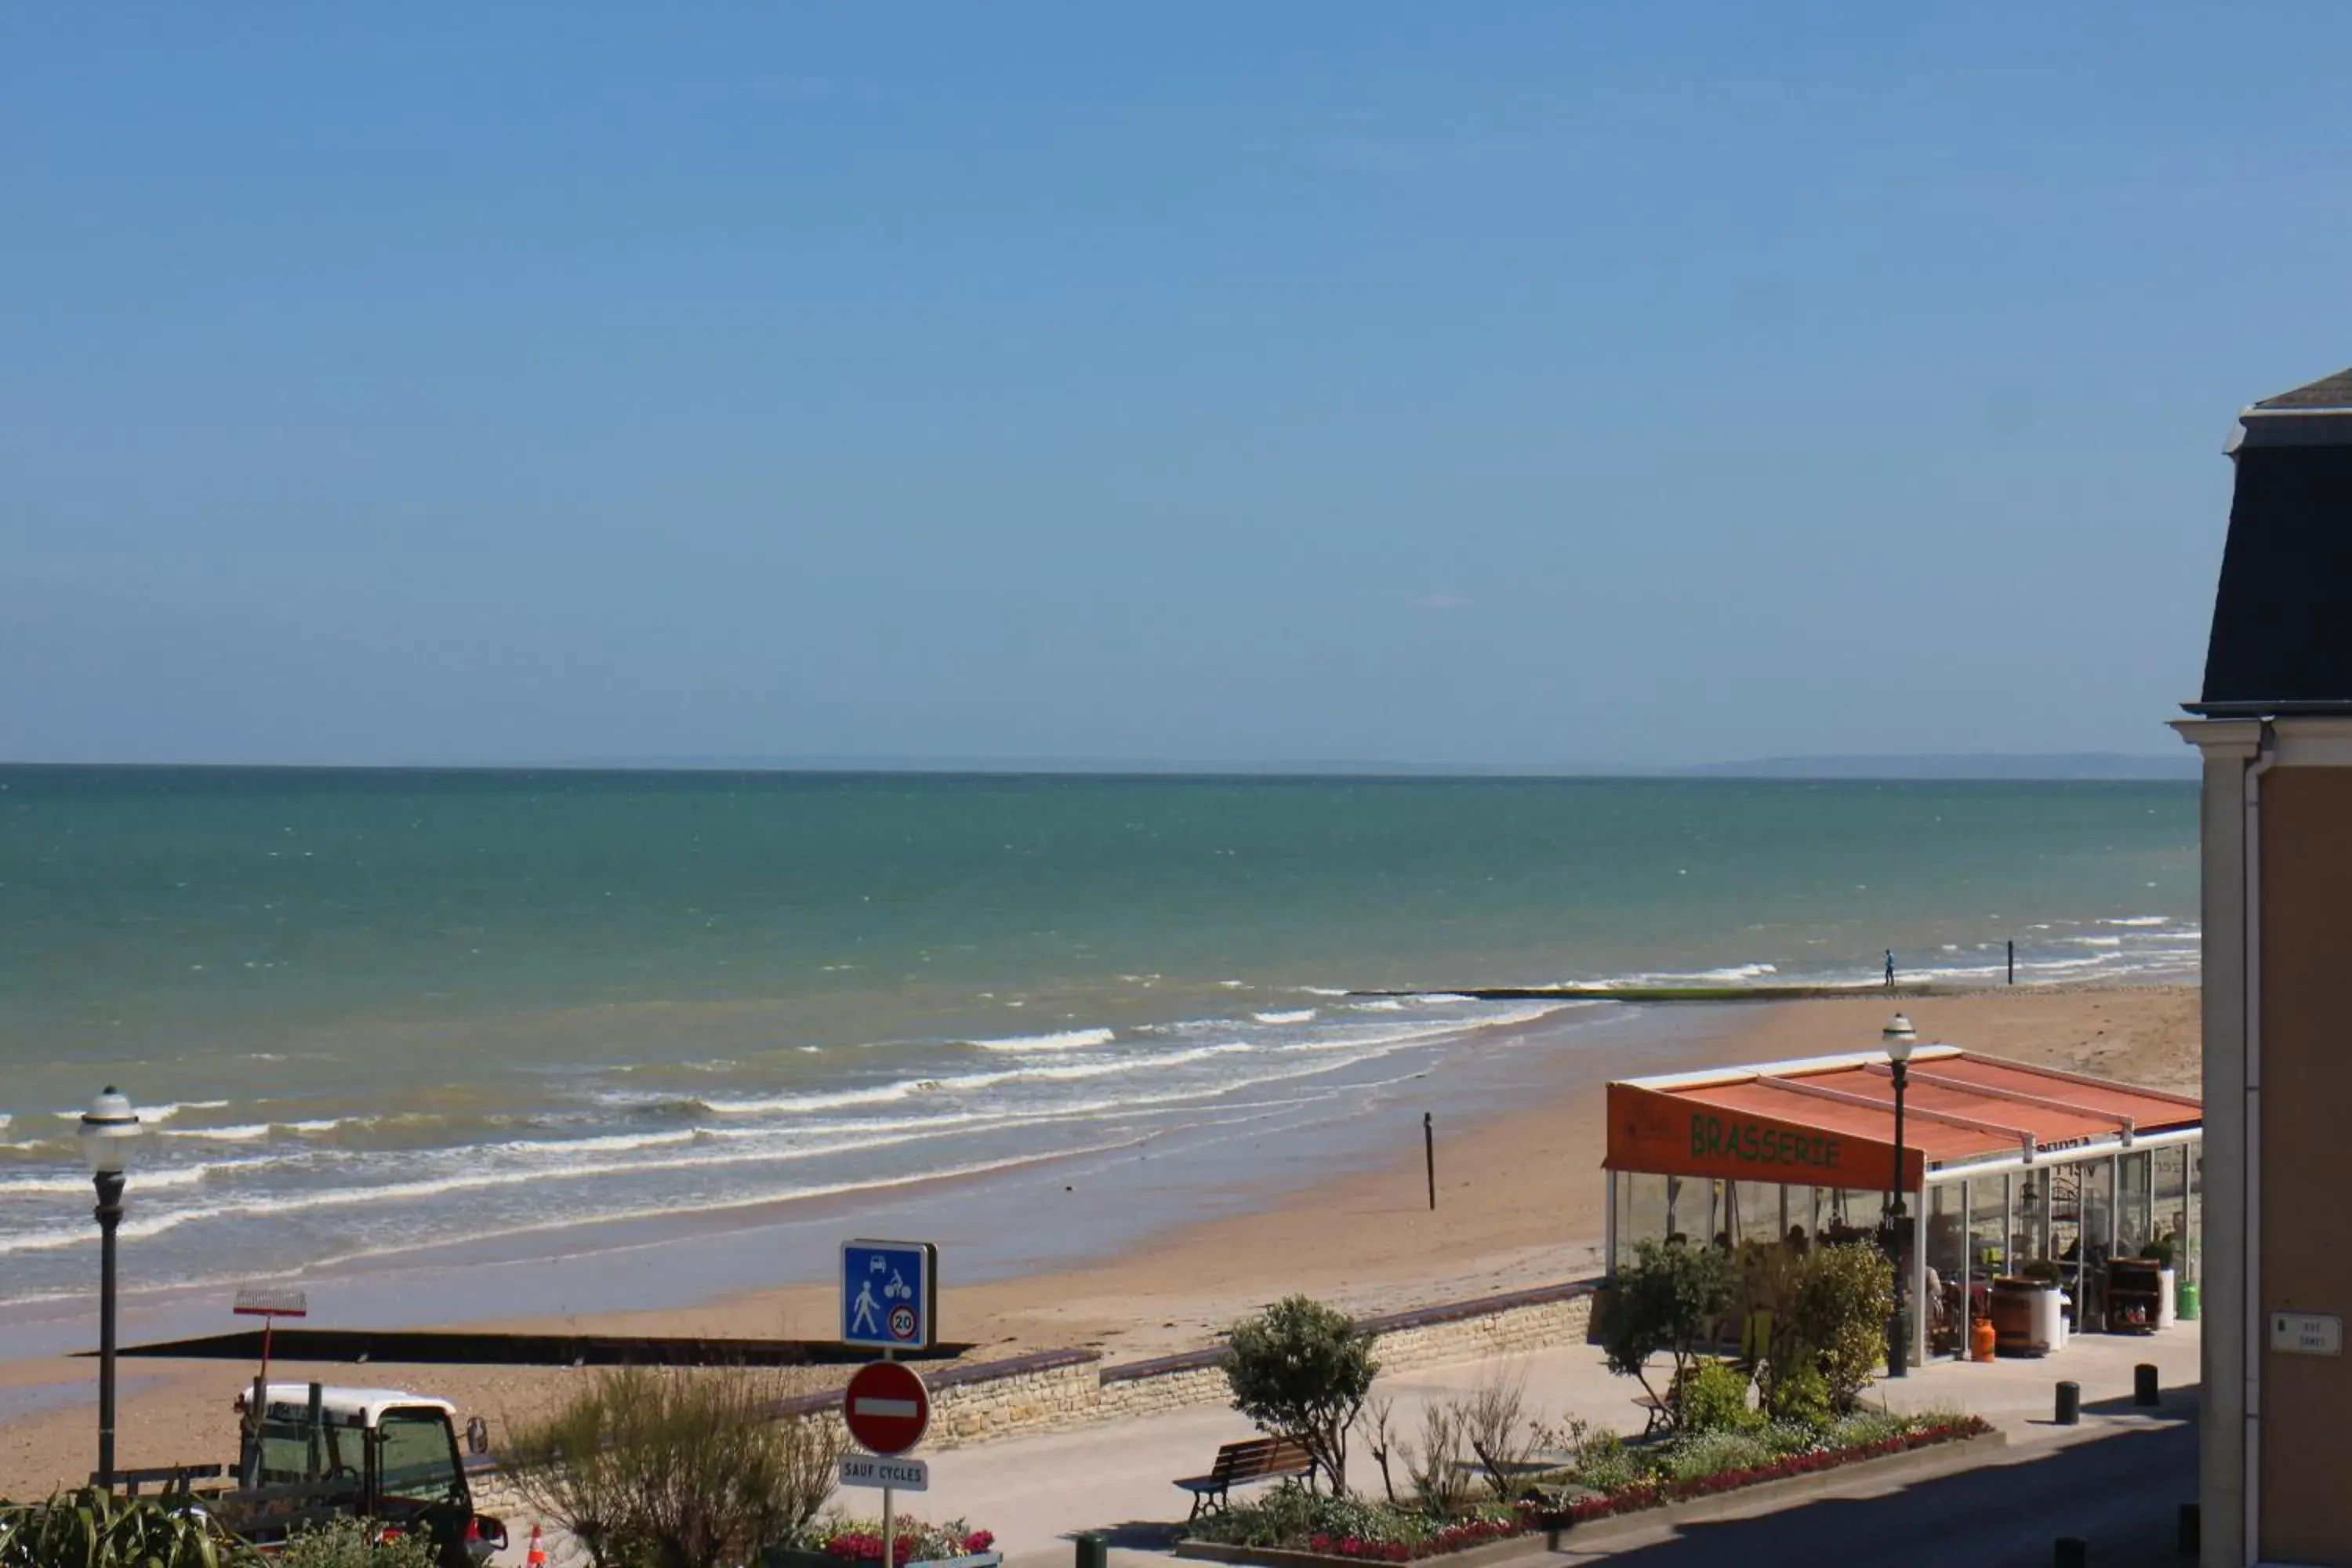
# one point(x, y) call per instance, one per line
point(2304, 1463)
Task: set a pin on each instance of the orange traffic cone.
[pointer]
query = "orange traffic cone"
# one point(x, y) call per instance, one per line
point(537, 1556)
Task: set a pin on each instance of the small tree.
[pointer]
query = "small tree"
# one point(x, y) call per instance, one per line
point(1302, 1370)
point(1497, 1428)
point(1845, 1296)
point(673, 1468)
point(1666, 1302)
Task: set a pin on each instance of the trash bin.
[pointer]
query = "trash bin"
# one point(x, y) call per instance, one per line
point(2186, 1297)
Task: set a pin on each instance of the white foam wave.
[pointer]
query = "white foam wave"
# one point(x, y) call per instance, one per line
point(1380, 1004)
point(2138, 921)
point(1065, 1040)
point(151, 1114)
point(619, 1143)
point(819, 1099)
point(759, 1200)
point(140, 1180)
point(1293, 1015)
point(249, 1132)
point(1729, 974)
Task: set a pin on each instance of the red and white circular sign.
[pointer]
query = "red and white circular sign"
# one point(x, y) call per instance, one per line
point(886, 1407)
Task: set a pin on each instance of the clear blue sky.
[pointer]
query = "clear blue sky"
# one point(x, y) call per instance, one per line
point(1497, 384)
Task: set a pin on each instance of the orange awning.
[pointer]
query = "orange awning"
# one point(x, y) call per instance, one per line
point(1829, 1122)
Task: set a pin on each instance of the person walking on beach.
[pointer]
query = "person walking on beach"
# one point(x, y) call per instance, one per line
point(1890, 969)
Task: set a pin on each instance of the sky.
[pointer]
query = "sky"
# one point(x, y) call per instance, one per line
point(1503, 385)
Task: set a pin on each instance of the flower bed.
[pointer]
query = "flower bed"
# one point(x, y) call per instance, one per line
point(1657, 1493)
point(1374, 1533)
point(860, 1540)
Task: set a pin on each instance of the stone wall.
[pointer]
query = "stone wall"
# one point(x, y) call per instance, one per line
point(1071, 1388)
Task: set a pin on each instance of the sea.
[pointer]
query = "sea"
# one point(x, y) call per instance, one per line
point(370, 1013)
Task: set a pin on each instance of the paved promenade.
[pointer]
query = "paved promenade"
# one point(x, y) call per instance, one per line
point(1037, 1493)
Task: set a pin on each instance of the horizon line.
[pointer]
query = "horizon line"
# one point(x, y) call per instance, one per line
point(2020, 766)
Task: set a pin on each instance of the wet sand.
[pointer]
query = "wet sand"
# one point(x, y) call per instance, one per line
point(1520, 1203)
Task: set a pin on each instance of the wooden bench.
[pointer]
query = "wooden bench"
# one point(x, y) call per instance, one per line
point(1238, 1464)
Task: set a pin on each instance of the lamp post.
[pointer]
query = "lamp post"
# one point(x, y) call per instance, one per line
point(1898, 1037)
point(110, 1129)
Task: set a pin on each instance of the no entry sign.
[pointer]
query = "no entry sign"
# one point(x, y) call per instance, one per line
point(887, 1407)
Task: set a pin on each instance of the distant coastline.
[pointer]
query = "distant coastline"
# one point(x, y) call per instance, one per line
point(1955, 768)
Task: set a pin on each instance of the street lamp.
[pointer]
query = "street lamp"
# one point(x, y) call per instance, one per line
point(1898, 1037)
point(109, 1131)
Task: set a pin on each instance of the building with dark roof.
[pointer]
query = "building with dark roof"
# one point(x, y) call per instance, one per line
point(2275, 725)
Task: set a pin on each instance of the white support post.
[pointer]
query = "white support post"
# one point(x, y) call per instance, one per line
point(1608, 1231)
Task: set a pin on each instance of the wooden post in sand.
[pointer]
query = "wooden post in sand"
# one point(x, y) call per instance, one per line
point(2013, 961)
point(1429, 1153)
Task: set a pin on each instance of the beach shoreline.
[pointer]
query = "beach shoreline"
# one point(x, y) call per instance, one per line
point(1519, 1204)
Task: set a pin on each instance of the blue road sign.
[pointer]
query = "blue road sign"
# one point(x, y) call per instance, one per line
point(889, 1291)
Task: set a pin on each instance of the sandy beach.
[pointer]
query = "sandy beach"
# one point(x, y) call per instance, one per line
point(1520, 1197)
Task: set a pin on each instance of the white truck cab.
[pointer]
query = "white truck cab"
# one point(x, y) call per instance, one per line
point(380, 1453)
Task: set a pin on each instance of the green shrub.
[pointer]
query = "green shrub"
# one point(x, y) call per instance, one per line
point(1712, 1396)
point(1302, 1370)
point(1605, 1464)
point(1800, 1395)
point(351, 1543)
point(1844, 1297)
point(672, 1468)
point(88, 1527)
point(1858, 1426)
point(1666, 1302)
point(1698, 1455)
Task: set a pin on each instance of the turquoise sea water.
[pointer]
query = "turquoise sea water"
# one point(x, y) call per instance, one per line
point(375, 1010)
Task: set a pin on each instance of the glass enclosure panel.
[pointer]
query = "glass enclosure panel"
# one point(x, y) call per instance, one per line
point(2086, 1270)
point(1944, 1321)
point(1755, 1213)
point(2169, 1198)
point(1848, 1215)
point(2190, 1261)
point(2134, 1201)
point(1988, 1238)
point(2037, 1201)
point(1681, 1196)
point(1640, 1213)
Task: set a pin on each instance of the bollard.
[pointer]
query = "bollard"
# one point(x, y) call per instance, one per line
point(2073, 1552)
point(2069, 1404)
point(2188, 1532)
point(2145, 1390)
point(1094, 1550)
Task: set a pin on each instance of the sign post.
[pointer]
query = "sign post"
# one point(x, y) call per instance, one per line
point(887, 1407)
point(890, 1295)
